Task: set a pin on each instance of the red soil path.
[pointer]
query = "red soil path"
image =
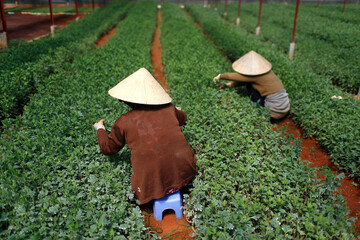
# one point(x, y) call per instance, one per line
point(28, 26)
point(169, 227)
point(105, 37)
point(156, 55)
point(312, 152)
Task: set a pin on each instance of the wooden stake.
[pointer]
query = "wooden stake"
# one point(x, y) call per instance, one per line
point(3, 19)
point(292, 44)
point(239, 10)
point(77, 9)
point(259, 18)
point(225, 11)
point(344, 6)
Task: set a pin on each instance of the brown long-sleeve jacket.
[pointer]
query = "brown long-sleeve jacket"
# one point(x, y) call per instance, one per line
point(161, 158)
point(265, 84)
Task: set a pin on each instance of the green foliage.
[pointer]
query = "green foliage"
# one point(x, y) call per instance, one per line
point(25, 67)
point(334, 122)
point(327, 44)
point(54, 181)
point(251, 182)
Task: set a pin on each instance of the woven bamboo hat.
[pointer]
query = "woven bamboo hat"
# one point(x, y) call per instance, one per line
point(252, 64)
point(141, 88)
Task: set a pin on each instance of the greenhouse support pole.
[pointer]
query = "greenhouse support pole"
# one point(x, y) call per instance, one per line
point(292, 44)
point(216, 4)
point(204, 3)
point(225, 11)
point(52, 27)
point(318, 4)
point(259, 18)
point(77, 9)
point(104, 3)
point(93, 4)
point(209, 3)
point(5, 36)
point(344, 6)
point(239, 10)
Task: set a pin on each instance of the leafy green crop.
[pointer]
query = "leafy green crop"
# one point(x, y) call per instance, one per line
point(251, 182)
point(54, 181)
point(335, 123)
point(327, 45)
point(24, 68)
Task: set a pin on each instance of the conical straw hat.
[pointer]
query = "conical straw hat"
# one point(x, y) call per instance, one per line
point(251, 64)
point(142, 88)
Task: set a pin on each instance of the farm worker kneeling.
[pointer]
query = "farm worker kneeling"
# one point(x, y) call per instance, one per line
point(161, 159)
point(262, 84)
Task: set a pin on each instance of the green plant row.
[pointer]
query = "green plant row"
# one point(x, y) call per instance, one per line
point(54, 181)
point(328, 46)
point(334, 11)
point(334, 122)
point(251, 182)
point(25, 67)
point(46, 9)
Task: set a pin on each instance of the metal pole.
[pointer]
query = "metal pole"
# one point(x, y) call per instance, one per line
point(216, 5)
point(344, 6)
point(239, 10)
point(225, 11)
point(51, 13)
point(3, 19)
point(52, 27)
point(259, 18)
point(93, 4)
point(292, 44)
point(318, 4)
point(77, 9)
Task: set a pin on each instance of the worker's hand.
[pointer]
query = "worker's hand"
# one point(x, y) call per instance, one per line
point(217, 78)
point(99, 125)
point(178, 108)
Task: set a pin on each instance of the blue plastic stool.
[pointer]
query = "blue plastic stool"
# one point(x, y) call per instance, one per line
point(171, 201)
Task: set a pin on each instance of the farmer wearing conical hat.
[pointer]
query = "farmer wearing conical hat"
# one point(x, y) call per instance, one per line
point(162, 160)
point(262, 84)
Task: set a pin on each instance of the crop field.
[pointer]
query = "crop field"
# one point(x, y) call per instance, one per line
point(252, 184)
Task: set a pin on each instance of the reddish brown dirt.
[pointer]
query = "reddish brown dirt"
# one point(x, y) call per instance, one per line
point(29, 27)
point(169, 227)
point(156, 54)
point(105, 37)
point(312, 152)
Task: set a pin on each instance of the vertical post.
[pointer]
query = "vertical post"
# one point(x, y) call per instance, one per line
point(93, 5)
point(3, 19)
point(204, 3)
point(77, 9)
point(239, 10)
point(216, 5)
point(292, 44)
point(104, 3)
point(52, 27)
point(318, 4)
point(209, 3)
point(344, 6)
point(259, 18)
point(225, 11)
point(323, 3)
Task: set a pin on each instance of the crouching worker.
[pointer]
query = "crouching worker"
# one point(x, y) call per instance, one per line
point(262, 84)
point(161, 159)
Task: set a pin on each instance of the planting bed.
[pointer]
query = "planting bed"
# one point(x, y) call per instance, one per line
point(252, 184)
